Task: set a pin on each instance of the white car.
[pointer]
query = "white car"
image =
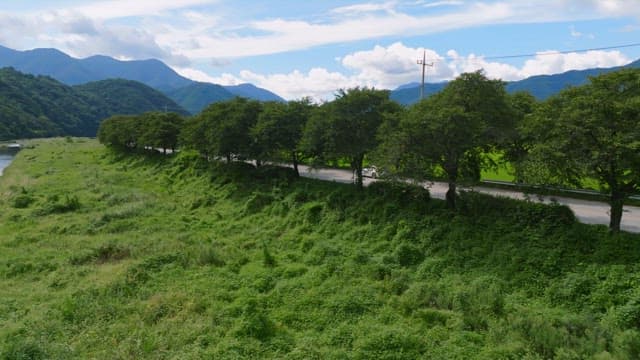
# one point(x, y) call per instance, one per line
point(370, 171)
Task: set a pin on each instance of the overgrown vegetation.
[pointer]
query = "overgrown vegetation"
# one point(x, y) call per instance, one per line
point(176, 257)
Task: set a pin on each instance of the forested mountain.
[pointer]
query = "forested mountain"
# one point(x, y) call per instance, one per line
point(190, 94)
point(128, 97)
point(72, 71)
point(250, 91)
point(39, 106)
point(198, 95)
point(542, 86)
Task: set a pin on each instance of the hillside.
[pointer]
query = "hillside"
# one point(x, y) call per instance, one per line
point(39, 106)
point(542, 87)
point(250, 91)
point(189, 94)
point(197, 96)
point(128, 97)
point(72, 71)
point(111, 256)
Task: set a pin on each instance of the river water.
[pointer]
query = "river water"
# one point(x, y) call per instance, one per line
point(5, 159)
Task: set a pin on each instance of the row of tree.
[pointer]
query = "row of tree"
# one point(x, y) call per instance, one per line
point(589, 132)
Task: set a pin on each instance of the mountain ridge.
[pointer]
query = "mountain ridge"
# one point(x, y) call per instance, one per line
point(151, 72)
point(540, 86)
point(40, 106)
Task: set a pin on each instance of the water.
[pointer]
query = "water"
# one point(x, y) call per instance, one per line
point(5, 159)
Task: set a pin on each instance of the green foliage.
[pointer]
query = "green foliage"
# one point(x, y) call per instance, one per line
point(450, 131)
point(39, 106)
point(270, 266)
point(348, 126)
point(146, 131)
point(223, 129)
point(590, 132)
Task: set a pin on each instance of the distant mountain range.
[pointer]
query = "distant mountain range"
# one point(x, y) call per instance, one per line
point(542, 86)
point(190, 94)
point(40, 106)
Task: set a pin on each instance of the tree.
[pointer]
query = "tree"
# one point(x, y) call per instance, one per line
point(279, 130)
point(452, 130)
point(348, 126)
point(227, 126)
point(160, 130)
point(517, 144)
point(120, 131)
point(593, 132)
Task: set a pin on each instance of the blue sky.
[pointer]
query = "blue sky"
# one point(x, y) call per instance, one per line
point(312, 48)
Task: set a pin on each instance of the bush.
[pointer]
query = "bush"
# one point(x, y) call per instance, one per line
point(103, 254)
point(22, 201)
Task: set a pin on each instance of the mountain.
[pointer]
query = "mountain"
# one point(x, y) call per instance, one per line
point(72, 71)
point(408, 94)
point(189, 94)
point(542, 86)
point(128, 97)
point(40, 106)
point(198, 95)
point(250, 91)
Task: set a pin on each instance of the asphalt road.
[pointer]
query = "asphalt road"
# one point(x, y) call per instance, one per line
point(588, 212)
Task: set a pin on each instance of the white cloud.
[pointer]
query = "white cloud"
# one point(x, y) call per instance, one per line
point(125, 8)
point(553, 63)
point(365, 8)
point(318, 83)
point(395, 65)
point(442, 3)
point(197, 75)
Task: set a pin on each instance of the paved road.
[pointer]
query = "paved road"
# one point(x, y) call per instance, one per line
point(588, 212)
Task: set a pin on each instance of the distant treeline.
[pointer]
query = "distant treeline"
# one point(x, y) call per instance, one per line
point(592, 131)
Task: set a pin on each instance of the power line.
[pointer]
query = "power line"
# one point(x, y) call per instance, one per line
point(548, 53)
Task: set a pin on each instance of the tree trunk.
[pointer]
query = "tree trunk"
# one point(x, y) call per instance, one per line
point(357, 167)
point(228, 158)
point(617, 202)
point(451, 193)
point(294, 159)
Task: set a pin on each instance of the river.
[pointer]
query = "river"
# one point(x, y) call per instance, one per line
point(6, 157)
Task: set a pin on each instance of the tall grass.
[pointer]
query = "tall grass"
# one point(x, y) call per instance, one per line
point(159, 257)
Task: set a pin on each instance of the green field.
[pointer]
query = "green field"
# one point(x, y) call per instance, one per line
point(112, 256)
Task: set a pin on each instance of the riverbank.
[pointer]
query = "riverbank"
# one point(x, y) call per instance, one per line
point(105, 255)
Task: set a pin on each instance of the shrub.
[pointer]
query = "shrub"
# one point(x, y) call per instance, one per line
point(22, 200)
point(103, 254)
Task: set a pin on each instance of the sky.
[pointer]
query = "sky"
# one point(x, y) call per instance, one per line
point(313, 48)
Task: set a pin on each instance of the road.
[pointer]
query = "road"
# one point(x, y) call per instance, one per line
point(588, 212)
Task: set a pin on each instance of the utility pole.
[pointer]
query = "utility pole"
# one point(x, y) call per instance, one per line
point(424, 64)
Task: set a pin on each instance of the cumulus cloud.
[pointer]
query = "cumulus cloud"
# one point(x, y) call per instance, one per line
point(395, 65)
point(387, 67)
point(318, 83)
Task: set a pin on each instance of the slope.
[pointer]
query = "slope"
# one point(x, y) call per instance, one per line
point(198, 95)
point(250, 91)
point(72, 71)
point(39, 106)
point(109, 256)
point(128, 97)
point(152, 72)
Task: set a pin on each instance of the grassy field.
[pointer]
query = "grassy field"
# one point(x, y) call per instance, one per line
point(107, 256)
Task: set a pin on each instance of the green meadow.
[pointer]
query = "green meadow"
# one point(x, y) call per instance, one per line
point(105, 255)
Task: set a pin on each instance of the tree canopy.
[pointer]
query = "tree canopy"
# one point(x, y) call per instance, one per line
point(593, 132)
point(451, 130)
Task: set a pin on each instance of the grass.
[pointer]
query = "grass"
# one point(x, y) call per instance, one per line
point(126, 256)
